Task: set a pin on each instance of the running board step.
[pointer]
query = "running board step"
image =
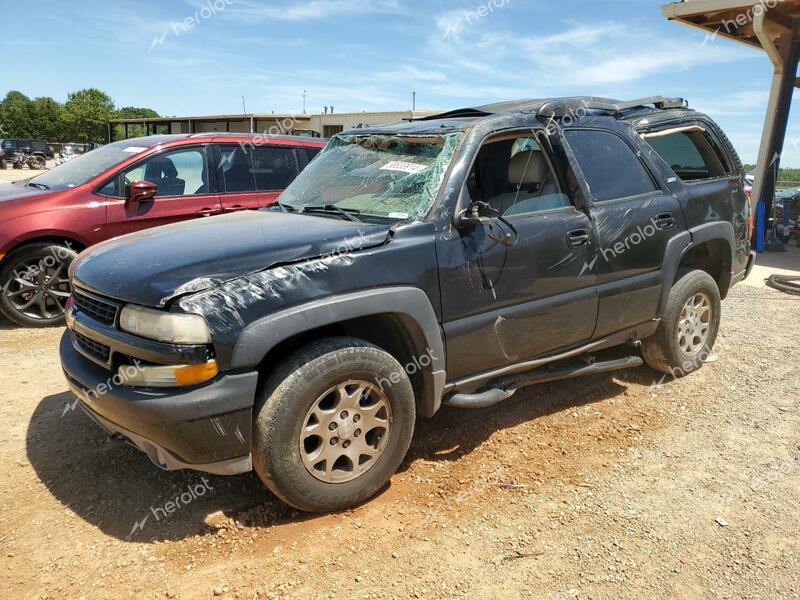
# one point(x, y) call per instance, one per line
point(504, 388)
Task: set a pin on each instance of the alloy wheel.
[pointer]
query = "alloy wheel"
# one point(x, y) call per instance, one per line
point(37, 289)
point(345, 431)
point(694, 324)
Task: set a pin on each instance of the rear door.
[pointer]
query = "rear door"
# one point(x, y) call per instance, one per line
point(633, 219)
point(185, 191)
point(253, 176)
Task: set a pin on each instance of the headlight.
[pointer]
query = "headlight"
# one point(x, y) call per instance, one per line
point(177, 328)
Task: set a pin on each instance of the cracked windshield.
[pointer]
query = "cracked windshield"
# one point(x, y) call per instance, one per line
point(389, 177)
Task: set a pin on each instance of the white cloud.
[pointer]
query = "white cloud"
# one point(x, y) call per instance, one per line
point(250, 11)
point(578, 56)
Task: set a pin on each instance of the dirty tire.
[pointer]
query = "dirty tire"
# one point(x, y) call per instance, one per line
point(290, 393)
point(661, 350)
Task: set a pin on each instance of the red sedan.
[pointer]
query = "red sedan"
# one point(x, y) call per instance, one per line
point(124, 187)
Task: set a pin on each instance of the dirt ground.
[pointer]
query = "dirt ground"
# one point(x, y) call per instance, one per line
point(9, 174)
point(609, 487)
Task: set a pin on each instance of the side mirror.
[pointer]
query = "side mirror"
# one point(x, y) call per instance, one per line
point(481, 213)
point(477, 213)
point(138, 192)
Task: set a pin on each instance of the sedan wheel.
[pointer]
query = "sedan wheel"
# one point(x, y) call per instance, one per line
point(35, 285)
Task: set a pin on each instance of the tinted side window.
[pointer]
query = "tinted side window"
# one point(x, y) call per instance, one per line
point(305, 156)
point(691, 155)
point(274, 167)
point(610, 166)
point(237, 169)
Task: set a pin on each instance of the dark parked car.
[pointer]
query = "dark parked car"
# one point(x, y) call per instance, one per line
point(35, 148)
point(124, 187)
point(450, 260)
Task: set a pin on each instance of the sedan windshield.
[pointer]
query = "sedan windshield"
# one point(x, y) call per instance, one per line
point(86, 166)
point(385, 176)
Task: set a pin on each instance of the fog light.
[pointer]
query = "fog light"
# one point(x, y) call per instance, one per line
point(168, 376)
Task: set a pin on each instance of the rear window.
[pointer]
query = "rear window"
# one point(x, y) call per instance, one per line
point(257, 168)
point(305, 156)
point(274, 167)
point(609, 164)
point(692, 155)
point(237, 169)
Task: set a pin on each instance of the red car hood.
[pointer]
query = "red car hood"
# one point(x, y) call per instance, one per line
point(18, 191)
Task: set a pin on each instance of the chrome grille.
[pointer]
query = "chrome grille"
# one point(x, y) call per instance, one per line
point(99, 310)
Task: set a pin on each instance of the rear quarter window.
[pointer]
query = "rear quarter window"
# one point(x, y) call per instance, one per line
point(692, 155)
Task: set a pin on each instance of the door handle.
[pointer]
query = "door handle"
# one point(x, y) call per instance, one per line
point(579, 237)
point(665, 221)
point(208, 212)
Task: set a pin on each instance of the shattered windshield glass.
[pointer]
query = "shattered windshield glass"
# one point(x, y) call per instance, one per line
point(385, 176)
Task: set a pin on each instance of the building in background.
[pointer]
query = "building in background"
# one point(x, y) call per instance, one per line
point(319, 125)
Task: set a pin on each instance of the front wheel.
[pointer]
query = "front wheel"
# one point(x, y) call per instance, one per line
point(333, 424)
point(688, 329)
point(34, 286)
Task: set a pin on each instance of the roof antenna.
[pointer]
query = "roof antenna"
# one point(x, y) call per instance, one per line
point(244, 108)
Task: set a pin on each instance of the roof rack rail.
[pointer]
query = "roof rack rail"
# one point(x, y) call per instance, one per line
point(562, 108)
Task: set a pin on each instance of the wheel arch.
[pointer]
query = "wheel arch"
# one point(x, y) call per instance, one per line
point(709, 247)
point(399, 320)
point(47, 238)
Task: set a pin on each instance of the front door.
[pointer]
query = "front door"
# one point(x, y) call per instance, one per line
point(505, 300)
point(184, 191)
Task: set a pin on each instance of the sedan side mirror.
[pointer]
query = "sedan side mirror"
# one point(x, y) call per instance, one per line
point(138, 192)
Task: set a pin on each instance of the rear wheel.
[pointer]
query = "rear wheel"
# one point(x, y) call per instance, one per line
point(35, 286)
point(333, 424)
point(688, 329)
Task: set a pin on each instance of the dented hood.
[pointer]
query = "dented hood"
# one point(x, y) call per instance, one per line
point(154, 266)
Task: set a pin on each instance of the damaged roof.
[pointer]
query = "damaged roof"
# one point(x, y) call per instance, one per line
point(547, 108)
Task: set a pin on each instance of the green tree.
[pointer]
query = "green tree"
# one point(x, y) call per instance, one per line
point(47, 120)
point(86, 115)
point(15, 115)
point(132, 112)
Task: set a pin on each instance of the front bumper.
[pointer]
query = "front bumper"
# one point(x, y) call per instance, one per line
point(205, 428)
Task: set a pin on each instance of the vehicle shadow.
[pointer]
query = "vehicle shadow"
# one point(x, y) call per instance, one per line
point(115, 487)
point(784, 261)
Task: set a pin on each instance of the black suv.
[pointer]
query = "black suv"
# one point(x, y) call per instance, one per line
point(34, 148)
point(449, 260)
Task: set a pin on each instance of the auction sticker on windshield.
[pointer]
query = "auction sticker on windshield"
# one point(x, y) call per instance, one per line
point(405, 167)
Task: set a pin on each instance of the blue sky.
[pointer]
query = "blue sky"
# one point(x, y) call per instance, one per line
point(371, 54)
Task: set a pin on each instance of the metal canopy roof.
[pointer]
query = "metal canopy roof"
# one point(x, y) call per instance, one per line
point(772, 26)
point(734, 19)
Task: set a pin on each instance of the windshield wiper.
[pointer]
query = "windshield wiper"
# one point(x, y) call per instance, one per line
point(284, 207)
point(38, 186)
point(347, 213)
